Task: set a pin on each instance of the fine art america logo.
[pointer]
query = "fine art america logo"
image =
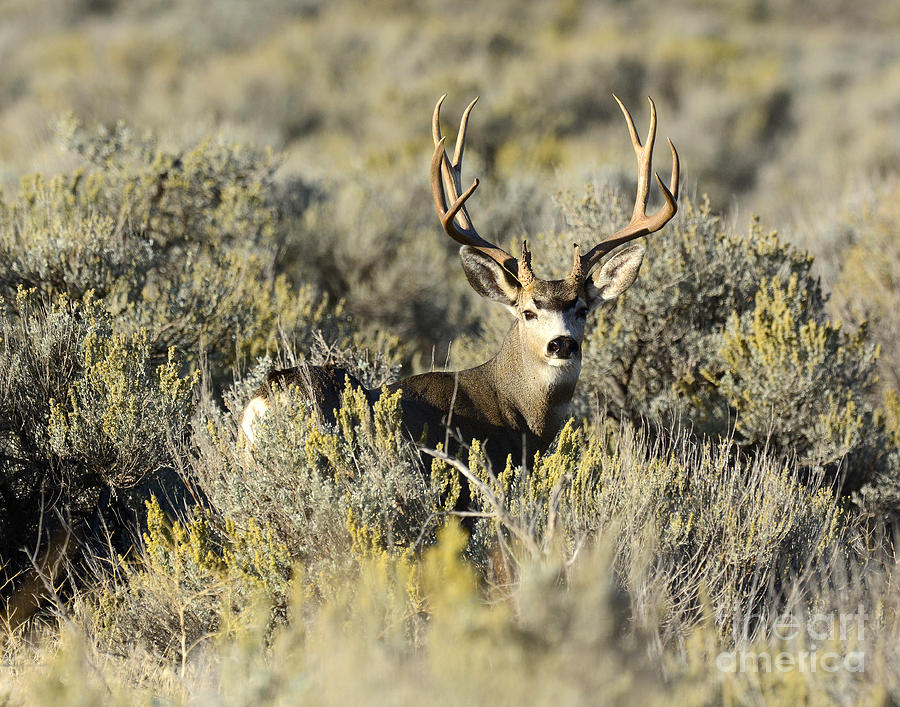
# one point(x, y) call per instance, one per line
point(817, 643)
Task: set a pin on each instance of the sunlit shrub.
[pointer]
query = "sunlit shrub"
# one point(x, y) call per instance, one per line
point(667, 327)
point(328, 493)
point(661, 505)
point(191, 582)
point(399, 631)
point(796, 383)
point(181, 245)
point(726, 331)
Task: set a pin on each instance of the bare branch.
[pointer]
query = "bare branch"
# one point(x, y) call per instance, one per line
point(502, 513)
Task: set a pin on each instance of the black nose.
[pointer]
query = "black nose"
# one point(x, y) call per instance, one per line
point(562, 347)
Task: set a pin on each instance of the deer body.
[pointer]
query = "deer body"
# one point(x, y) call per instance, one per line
point(474, 403)
point(518, 400)
point(507, 401)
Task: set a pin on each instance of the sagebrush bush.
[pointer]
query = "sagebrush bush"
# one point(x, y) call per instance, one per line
point(764, 124)
point(378, 247)
point(322, 565)
point(181, 245)
point(727, 331)
point(663, 506)
point(795, 382)
point(194, 581)
point(328, 493)
point(397, 631)
point(84, 411)
point(391, 630)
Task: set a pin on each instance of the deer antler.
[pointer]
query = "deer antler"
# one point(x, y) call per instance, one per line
point(526, 274)
point(641, 224)
point(446, 175)
point(577, 275)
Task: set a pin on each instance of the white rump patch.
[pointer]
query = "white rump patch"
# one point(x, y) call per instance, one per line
point(255, 409)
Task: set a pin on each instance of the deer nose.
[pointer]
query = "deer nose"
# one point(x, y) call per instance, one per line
point(562, 347)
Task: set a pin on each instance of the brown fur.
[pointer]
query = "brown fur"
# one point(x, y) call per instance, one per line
point(500, 402)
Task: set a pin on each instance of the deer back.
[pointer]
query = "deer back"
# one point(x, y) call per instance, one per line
point(323, 386)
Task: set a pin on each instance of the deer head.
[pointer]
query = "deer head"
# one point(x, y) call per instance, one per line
point(551, 313)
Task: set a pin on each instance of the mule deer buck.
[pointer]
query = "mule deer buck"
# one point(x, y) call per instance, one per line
point(517, 401)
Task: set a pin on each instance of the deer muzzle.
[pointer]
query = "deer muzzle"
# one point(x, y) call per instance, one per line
point(562, 347)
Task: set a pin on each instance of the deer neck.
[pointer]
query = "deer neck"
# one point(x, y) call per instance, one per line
point(531, 390)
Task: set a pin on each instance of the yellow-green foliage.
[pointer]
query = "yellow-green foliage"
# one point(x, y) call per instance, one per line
point(727, 334)
point(668, 504)
point(793, 380)
point(695, 537)
point(93, 413)
point(446, 481)
point(892, 415)
point(554, 482)
point(398, 631)
point(324, 566)
point(331, 493)
point(351, 493)
point(105, 419)
point(647, 354)
point(395, 631)
point(301, 76)
point(188, 584)
point(348, 105)
point(181, 245)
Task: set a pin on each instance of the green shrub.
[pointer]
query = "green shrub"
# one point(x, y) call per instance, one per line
point(796, 383)
point(328, 494)
point(181, 245)
point(399, 631)
point(191, 582)
point(729, 332)
point(83, 410)
point(662, 506)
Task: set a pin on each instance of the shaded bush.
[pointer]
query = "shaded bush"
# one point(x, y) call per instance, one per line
point(83, 412)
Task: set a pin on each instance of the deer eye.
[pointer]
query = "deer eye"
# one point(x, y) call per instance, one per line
point(529, 315)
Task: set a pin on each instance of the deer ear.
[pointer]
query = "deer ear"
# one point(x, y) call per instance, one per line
point(488, 278)
point(615, 276)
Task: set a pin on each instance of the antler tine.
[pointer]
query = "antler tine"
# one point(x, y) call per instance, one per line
point(644, 154)
point(673, 180)
point(446, 175)
point(461, 135)
point(436, 120)
point(526, 274)
point(576, 275)
point(641, 224)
